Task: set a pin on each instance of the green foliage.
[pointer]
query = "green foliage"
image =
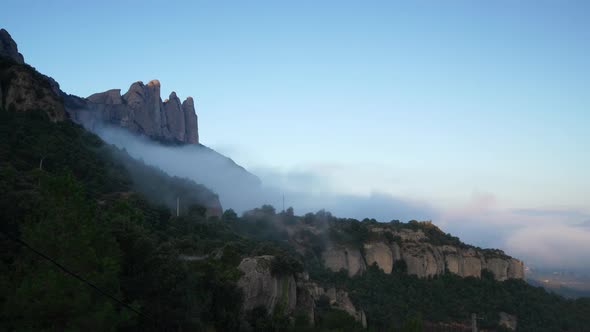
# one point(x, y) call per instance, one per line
point(71, 196)
point(400, 266)
point(336, 320)
point(230, 215)
point(349, 232)
point(285, 265)
point(41, 296)
point(392, 300)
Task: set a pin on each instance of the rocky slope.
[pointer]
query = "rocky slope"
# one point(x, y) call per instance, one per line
point(22, 88)
point(425, 259)
point(288, 293)
point(424, 249)
point(8, 48)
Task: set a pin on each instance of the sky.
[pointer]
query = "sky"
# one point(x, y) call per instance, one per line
point(479, 110)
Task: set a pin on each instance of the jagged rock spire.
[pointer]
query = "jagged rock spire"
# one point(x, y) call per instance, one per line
point(142, 110)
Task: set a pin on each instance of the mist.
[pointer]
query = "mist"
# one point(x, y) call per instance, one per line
point(240, 191)
point(528, 234)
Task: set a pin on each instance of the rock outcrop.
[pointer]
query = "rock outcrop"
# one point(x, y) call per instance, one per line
point(381, 254)
point(338, 299)
point(22, 88)
point(9, 49)
point(140, 110)
point(350, 259)
point(288, 293)
point(508, 321)
point(261, 288)
point(422, 257)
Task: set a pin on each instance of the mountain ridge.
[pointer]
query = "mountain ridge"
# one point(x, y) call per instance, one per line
point(139, 111)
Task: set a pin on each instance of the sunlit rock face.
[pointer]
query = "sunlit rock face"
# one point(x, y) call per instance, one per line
point(141, 111)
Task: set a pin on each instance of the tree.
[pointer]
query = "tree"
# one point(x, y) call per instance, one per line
point(230, 215)
point(44, 297)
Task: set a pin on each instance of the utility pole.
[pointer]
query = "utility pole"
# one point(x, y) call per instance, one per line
point(474, 322)
point(178, 206)
point(283, 203)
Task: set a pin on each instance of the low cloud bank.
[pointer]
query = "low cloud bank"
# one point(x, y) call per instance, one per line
point(305, 191)
point(549, 238)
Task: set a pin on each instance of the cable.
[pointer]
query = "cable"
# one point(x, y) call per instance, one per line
point(63, 268)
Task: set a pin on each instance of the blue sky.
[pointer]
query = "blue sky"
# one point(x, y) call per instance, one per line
point(440, 102)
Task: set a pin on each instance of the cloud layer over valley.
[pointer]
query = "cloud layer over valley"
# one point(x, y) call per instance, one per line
point(549, 238)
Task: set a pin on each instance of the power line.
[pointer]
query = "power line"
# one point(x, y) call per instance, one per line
point(73, 274)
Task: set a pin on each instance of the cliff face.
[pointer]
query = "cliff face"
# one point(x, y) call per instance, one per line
point(288, 293)
point(140, 110)
point(261, 288)
point(421, 256)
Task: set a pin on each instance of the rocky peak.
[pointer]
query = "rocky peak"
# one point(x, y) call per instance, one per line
point(140, 110)
point(191, 121)
point(8, 47)
point(112, 97)
point(174, 117)
point(22, 88)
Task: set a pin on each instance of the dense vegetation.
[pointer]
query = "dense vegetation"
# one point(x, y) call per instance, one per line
point(73, 198)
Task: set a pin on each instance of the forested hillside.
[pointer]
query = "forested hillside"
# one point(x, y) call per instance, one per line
point(73, 198)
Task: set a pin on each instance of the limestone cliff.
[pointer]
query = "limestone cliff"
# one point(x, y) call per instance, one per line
point(288, 293)
point(139, 110)
point(424, 249)
point(261, 288)
point(344, 257)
